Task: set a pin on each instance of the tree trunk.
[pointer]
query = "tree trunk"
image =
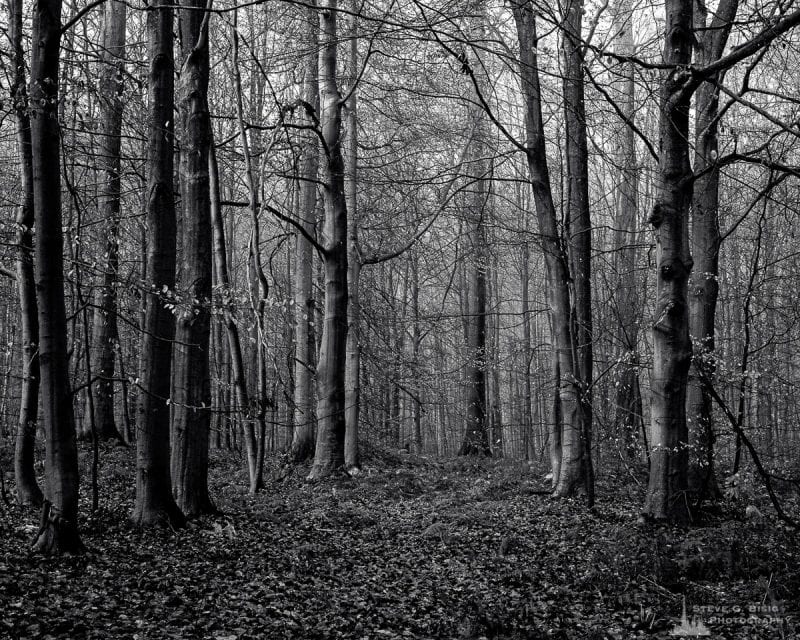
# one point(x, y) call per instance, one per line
point(569, 442)
point(703, 285)
point(476, 434)
point(577, 466)
point(672, 350)
point(28, 491)
point(59, 531)
point(192, 412)
point(252, 439)
point(353, 347)
point(329, 454)
point(305, 347)
point(154, 501)
point(104, 332)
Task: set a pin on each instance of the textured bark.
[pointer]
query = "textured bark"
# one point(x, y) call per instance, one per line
point(28, 491)
point(191, 375)
point(703, 284)
point(305, 348)
point(329, 453)
point(672, 350)
point(628, 419)
point(154, 502)
point(577, 467)
point(352, 382)
point(59, 531)
point(104, 331)
point(568, 412)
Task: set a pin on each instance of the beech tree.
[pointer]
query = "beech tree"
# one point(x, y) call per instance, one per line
point(28, 491)
point(191, 385)
point(104, 329)
point(302, 446)
point(154, 501)
point(329, 452)
point(59, 530)
point(570, 435)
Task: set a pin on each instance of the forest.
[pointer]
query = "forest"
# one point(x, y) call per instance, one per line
point(395, 319)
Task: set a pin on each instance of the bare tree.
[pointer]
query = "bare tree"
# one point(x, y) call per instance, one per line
point(59, 530)
point(329, 453)
point(154, 501)
point(28, 491)
point(191, 384)
point(104, 331)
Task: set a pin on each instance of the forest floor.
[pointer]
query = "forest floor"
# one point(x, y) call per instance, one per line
point(411, 548)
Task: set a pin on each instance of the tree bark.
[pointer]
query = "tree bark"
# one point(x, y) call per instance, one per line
point(329, 453)
point(104, 331)
point(191, 375)
point(703, 283)
point(28, 491)
point(59, 531)
point(556, 264)
point(305, 346)
point(672, 350)
point(576, 467)
point(154, 501)
point(352, 383)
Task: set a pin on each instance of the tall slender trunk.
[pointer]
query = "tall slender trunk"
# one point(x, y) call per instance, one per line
point(305, 348)
point(476, 433)
point(252, 439)
point(566, 443)
point(628, 419)
point(703, 284)
point(28, 491)
point(59, 532)
point(329, 454)
point(104, 332)
point(672, 350)
point(577, 466)
point(154, 501)
point(191, 376)
point(352, 382)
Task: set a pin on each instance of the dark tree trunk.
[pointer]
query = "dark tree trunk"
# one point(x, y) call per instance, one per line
point(28, 491)
point(192, 410)
point(104, 332)
point(672, 350)
point(577, 467)
point(59, 531)
point(154, 501)
point(329, 453)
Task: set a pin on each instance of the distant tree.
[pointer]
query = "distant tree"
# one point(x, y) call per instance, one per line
point(476, 431)
point(59, 531)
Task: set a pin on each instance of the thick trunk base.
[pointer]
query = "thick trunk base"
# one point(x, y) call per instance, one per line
point(57, 535)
